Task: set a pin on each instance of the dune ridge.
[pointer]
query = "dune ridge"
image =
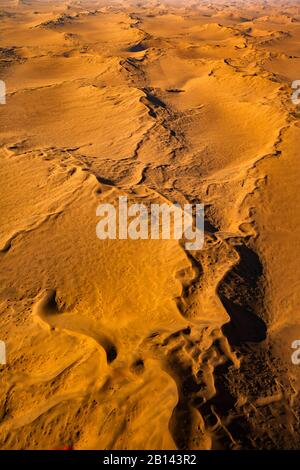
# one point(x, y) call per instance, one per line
point(123, 344)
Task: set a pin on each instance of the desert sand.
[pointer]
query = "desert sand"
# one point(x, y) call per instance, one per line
point(142, 344)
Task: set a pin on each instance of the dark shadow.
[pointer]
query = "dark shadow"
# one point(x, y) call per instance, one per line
point(137, 48)
point(241, 296)
point(107, 181)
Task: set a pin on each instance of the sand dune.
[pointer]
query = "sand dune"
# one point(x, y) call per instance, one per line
point(142, 344)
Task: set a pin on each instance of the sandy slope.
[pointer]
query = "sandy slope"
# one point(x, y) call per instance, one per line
point(142, 344)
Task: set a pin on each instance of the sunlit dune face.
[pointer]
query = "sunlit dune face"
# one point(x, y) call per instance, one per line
point(123, 343)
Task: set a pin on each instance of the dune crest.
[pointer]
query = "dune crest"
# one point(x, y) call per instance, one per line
point(142, 344)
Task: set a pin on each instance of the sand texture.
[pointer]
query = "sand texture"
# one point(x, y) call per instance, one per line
point(142, 344)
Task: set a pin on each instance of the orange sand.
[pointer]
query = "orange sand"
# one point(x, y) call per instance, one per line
point(140, 344)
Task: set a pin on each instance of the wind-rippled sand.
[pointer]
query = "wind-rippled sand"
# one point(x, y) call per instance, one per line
point(123, 344)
